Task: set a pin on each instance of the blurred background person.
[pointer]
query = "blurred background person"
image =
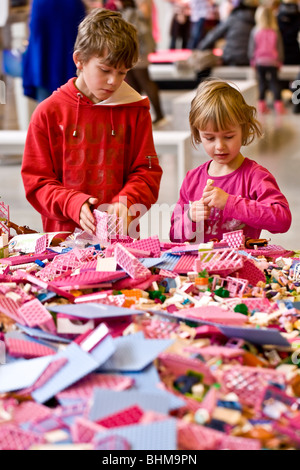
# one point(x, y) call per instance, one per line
point(48, 61)
point(266, 55)
point(204, 16)
point(235, 31)
point(139, 13)
point(180, 25)
point(289, 25)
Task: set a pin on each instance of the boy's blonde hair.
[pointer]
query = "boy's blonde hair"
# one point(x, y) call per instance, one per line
point(222, 106)
point(104, 33)
point(265, 18)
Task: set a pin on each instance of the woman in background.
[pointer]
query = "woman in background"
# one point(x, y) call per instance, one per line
point(48, 61)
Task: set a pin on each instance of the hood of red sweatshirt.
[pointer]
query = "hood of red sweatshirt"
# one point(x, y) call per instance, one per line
point(124, 96)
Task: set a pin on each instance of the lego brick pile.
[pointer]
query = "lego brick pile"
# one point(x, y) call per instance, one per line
point(144, 345)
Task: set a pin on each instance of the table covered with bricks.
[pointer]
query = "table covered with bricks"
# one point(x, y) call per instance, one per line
point(125, 344)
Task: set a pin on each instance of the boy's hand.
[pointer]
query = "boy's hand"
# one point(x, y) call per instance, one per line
point(199, 211)
point(87, 221)
point(214, 197)
point(120, 210)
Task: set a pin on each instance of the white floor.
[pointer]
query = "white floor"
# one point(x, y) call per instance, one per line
point(278, 150)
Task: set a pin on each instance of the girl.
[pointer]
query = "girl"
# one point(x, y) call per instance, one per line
point(229, 192)
point(266, 55)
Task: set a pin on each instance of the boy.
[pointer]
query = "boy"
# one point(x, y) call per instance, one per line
point(90, 144)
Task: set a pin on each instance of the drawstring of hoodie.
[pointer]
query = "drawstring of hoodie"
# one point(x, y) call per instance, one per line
point(79, 96)
point(75, 132)
point(112, 122)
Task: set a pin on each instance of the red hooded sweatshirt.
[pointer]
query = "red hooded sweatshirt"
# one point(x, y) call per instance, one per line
point(76, 149)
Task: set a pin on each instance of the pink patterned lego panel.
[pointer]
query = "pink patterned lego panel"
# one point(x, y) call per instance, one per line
point(67, 262)
point(42, 244)
point(14, 438)
point(35, 314)
point(108, 226)
point(248, 383)
point(219, 261)
point(131, 265)
point(185, 264)
point(251, 272)
point(27, 349)
point(4, 216)
point(10, 308)
point(234, 239)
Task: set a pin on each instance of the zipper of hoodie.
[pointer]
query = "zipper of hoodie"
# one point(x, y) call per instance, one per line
point(150, 160)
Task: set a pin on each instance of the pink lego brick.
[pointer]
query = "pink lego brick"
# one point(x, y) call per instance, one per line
point(166, 273)
point(67, 262)
point(180, 365)
point(4, 216)
point(14, 438)
point(111, 443)
point(85, 388)
point(84, 430)
point(251, 272)
point(27, 349)
point(193, 436)
point(238, 443)
point(42, 244)
point(29, 411)
point(86, 278)
point(217, 351)
point(185, 264)
point(261, 304)
point(219, 261)
point(236, 286)
point(129, 416)
point(35, 314)
point(151, 244)
point(248, 383)
point(10, 308)
point(214, 314)
point(234, 239)
point(108, 227)
point(131, 265)
point(24, 259)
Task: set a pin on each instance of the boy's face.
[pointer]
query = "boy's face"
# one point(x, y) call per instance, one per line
point(98, 80)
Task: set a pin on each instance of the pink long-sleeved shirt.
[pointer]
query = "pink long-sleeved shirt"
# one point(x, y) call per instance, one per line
point(255, 203)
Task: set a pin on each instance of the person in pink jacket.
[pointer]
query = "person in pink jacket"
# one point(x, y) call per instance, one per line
point(266, 54)
point(229, 192)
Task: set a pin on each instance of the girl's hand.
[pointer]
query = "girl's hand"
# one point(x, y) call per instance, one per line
point(214, 197)
point(120, 210)
point(86, 218)
point(199, 211)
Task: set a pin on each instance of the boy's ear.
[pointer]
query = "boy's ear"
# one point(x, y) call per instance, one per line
point(77, 60)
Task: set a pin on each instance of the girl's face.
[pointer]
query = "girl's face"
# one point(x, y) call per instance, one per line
point(222, 146)
point(97, 80)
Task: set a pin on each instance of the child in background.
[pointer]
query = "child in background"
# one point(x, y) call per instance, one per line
point(90, 144)
point(266, 55)
point(229, 192)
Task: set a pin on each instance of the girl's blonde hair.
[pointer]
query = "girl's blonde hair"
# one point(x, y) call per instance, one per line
point(265, 18)
point(104, 33)
point(220, 105)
